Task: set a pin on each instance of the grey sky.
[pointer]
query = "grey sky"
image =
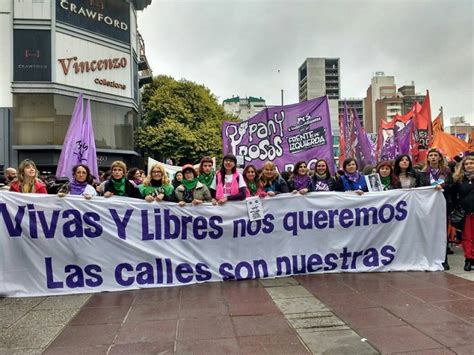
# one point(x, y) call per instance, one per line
point(238, 47)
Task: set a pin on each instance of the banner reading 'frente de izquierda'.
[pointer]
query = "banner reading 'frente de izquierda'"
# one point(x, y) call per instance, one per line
point(283, 135)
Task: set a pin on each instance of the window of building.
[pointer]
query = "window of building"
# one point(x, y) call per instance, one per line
point(43, 119)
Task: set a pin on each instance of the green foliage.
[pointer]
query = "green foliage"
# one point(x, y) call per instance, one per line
point(181, 120)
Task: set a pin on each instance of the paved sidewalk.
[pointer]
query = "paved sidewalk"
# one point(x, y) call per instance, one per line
point(409, 312)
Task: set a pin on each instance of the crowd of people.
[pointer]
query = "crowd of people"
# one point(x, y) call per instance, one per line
point(196, 186)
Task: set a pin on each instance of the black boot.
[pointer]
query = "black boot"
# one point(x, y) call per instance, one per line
point(467, 265)
point(446, 265)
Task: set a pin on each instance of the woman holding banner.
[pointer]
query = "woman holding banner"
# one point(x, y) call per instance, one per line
point(81, 183)
point(351, 180)
point(206, 174)
point(435, 171)
point(156, 186)
point(385, 171)
point(300, 182)
point(322, 179)
point(191, 190)
point(228, 183)
point(462, 192)
point(27, 180)
point(178, 177)
point(254, 185)
point(118, 184)
point(273, 183)
point(405, 176)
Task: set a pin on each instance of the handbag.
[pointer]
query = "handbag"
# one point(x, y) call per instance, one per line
point(457, 217)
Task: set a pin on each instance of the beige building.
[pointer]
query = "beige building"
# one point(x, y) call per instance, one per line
point(381, 87)
point(318, 77)
point(244, 108)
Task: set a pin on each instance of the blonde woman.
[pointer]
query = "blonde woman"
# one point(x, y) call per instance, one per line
point(463, 196)
point(27, 180)
point(157, 186)
point(273, 183)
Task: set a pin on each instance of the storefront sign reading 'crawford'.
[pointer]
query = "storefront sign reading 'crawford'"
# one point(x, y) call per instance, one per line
point(110, 18)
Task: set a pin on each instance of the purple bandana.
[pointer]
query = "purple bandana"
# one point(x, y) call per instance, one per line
point(301, 182)
point(354, 177)
point(77, 188)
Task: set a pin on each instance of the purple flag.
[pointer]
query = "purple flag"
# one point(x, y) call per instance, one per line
point(346, 124)
point(283, 135)
point(403, 137)
point(89, 154)
point(67, 159)
point(389, 149)
point(361, 144)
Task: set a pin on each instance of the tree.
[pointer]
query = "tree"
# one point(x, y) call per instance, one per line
point(181, 120)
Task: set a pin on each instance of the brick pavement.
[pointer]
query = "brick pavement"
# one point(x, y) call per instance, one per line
point(410, 312)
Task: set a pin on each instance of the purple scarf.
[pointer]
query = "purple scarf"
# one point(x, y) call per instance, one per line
point(354, 177)
point(301, 182)
point(77, 188)
point(434, 173)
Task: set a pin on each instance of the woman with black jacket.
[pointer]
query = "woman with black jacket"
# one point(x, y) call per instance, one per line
point(118, 184)
point(273, 183)
point(462, 192)
point(322, 179)
point(404, 174)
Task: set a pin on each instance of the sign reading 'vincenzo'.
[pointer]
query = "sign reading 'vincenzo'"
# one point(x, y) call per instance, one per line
point(109, 18)
point(80, 67)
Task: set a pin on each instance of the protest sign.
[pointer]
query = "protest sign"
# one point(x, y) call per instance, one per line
point(51, 245)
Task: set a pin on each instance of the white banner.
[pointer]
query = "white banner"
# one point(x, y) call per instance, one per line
point(52, 245)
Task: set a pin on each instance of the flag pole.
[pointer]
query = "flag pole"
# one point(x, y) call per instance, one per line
point(442, 117)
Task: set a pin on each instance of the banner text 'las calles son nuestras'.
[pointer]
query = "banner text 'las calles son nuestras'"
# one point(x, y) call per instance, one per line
point(52, 245)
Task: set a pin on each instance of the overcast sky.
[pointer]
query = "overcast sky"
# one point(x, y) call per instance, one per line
point(255, 47)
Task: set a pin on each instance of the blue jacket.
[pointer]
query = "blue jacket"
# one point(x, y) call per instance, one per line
point(343, 184)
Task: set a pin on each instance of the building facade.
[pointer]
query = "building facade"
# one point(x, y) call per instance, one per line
point(381, 86)
point(384, 101)
point(318, 77)
point(410, 96)
point(57, 49)
point(353, 103)
point(244, 108)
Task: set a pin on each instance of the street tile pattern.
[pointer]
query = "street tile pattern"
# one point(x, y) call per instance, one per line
point(211, 318)
point(409, 312)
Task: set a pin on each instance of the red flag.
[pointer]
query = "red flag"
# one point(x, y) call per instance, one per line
point(437, 125)
point(423, 131)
